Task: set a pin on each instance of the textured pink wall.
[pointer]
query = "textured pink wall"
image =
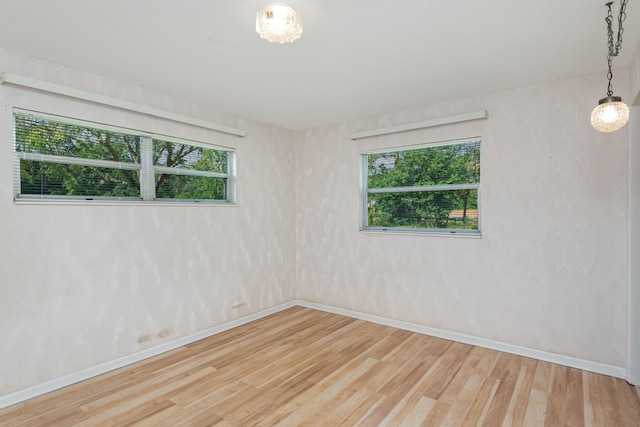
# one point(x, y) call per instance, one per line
point(83, 285)
point(549, 272)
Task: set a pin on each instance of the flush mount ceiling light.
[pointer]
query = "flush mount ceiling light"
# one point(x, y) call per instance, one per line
point(279, 23)
point(611, 113)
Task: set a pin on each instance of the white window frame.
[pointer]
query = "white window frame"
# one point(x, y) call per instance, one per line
point(365, 191)
point(146, 167)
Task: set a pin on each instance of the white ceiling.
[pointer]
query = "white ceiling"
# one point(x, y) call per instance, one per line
point(356, 58)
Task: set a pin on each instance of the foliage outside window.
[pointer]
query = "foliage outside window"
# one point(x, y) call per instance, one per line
point(58, 158)
point(433, 188)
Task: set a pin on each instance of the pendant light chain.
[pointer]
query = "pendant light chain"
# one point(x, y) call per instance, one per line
point(614, 49)
point(611, 113)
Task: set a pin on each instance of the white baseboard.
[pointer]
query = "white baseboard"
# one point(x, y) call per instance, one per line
point(586, 365)
point(46, 387)
point(85, 374)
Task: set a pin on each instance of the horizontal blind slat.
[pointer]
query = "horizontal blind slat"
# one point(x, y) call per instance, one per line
point(420, 188)
point(48, 158)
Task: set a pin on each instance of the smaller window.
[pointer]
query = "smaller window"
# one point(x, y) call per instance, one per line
point(433, 189)
point(184, 171)
point(58, 158)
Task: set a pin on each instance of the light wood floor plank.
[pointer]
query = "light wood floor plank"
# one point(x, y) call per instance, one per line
point(417, 413)
point(631, 405)
point(536, 409)
point(303, 367)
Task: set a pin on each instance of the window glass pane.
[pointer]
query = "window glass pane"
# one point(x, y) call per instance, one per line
point(169, 186)
point(45, 136)
point(73, 180)
point(184, 156)
point(66, 157)
point(456, 209)
point(444, 164)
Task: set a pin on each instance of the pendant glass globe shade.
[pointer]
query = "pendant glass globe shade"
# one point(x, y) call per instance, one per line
point(610, 115)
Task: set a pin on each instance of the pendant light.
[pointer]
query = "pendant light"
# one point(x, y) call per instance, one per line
point(611, 113)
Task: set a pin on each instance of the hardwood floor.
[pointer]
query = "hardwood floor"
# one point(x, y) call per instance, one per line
point(302, 367)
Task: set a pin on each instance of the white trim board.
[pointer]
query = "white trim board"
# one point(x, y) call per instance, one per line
point(458, 118)
point(633, 245)
point(85, 374)
point(586, 365)
point(28, 82)
point(55, 384)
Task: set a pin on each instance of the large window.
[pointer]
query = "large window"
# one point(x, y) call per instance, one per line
point(433, 188)
point(58, 158)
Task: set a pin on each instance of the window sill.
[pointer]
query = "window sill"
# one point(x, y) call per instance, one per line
point(62, 202)
point(402, 232)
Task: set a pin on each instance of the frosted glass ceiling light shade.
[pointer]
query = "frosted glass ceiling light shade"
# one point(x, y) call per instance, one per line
point(279, 23)
point(611, 113)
